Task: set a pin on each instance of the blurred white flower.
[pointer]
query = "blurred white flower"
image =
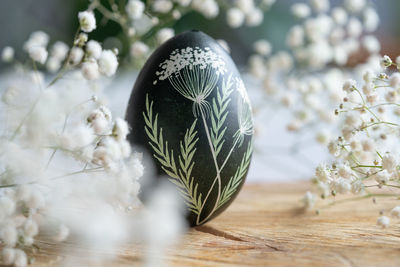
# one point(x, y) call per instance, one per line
point(90, 70)
point(395, 212)
point(59, 50)
point(255, 17)
point(262, 47)
point(76, 55)
point(162, 6)
point(209, 8)
point(38, 54)
point(7, 54)
point(320, 5)
point(93, 49)
point(309, 200)
point(354, 6)
point(87, 21)
point(300, 10)
point(235, 17)
point(20, 259)
point(164, 34)
point(383, 221)
point(139, 49)
point(134, 9)
point(108, 63)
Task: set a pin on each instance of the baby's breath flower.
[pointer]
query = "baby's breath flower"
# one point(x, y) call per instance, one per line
point(162, 6)
point(9, 235)
point(209, 8)
point(341, 185)
point(120, 129)
point(164, 34)
point(309, 200)
point(334, 148)
point(81, 40)
point(354, 6)
point(90, 70)
point(87, 21)
point(255, 17)
point(322, 173)
point(139, 49)
point(20, 258)
point(368, 145)
point(344, 171)
point(262, 47)
point(348, 85)
point(395, 212)
point(320, 5)
point(368, 76)
point(235, 17)
point(76, 55)
point(383, 221)
point(53, 64)
point(59, 50)
point(382, 177)
point(339, 15)
point(100, 119)
point(7, 54)
point(371, 44)
point(134, 9)
point(245, 5)
point(386, 61)
point(93, 49)
point(8, 256)
point(300, 10)
point(394, 80)
point(389, 163)
point(31, 228)
point(62, 233)
point(38, 54)
point(108, 63)
point(370, 19)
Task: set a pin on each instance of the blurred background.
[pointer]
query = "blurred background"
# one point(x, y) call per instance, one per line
point(285, 156)
point(18, 18)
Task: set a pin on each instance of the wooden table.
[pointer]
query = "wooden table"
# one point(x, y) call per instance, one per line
point(266, 226)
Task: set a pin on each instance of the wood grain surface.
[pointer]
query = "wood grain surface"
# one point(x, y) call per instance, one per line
point(266, 226)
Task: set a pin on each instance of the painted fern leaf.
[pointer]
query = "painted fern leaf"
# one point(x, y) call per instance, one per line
point(179, 175)
point(219, 114)
point(237, 178)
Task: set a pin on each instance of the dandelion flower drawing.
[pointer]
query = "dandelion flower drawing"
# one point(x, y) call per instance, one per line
point(194, 73)
point(245, 120)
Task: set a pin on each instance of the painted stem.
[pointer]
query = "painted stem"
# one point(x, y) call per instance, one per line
point(220, 170)
point(218, 177)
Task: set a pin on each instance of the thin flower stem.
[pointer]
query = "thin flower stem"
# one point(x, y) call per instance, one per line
point(66, 62)
point(16, 131)
point(366, 166)
point(369, 195)
point(97, 169)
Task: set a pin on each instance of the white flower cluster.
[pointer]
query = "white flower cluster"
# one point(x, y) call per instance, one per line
point(159, 13)
point(366, 153)
point(89, 55)
point(244, 11)
point(307, 78)
point(64, 125)
point(190, 57)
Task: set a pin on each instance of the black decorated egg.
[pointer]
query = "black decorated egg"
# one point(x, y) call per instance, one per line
point(190, 111)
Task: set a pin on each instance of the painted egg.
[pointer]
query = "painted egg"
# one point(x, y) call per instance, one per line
point(190, 111)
